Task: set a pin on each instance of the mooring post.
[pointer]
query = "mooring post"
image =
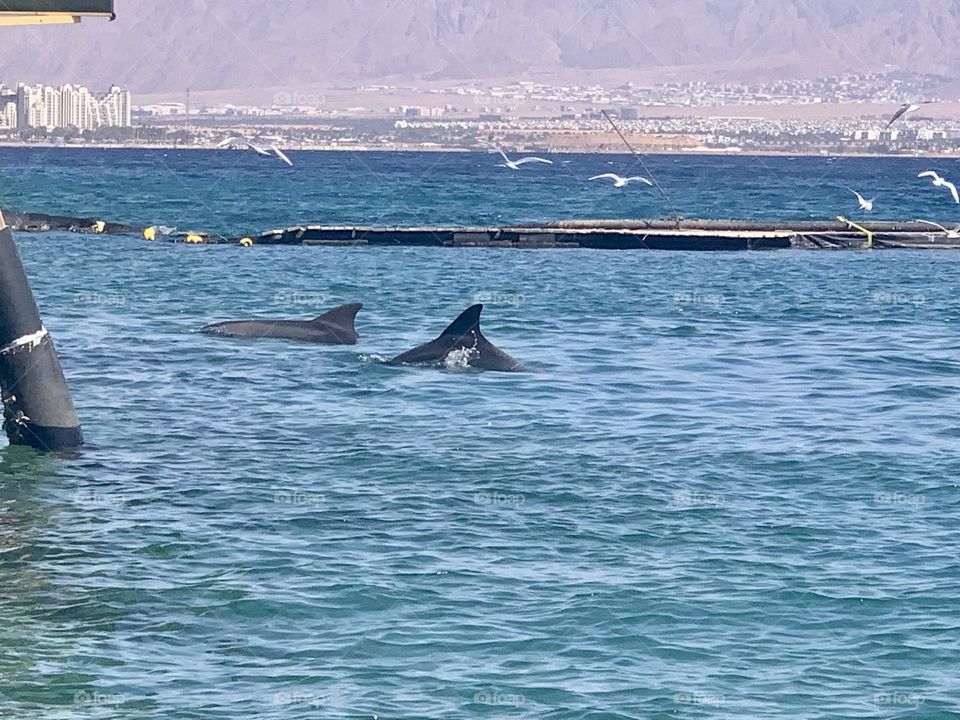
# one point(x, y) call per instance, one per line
point(861, 228)
point(37, 408)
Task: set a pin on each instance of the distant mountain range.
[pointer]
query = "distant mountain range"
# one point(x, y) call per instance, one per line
point(164, 46)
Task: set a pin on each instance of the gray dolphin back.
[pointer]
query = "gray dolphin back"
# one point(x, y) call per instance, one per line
point(335, 327)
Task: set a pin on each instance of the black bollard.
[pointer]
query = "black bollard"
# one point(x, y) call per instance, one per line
point(37, 408)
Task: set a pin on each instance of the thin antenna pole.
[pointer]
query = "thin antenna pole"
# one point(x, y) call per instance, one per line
point(676, 215)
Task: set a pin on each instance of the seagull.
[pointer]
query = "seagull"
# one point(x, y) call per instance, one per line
point(236, 141)
point(621, 181)
point(280, 154)
point(515, 164)
point(940, 182)
point(905, 109)
point(865, 205)
point(952, 234)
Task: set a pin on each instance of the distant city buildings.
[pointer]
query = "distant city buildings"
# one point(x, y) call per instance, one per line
point(66, 106)
point(539, 101)
point(521, 115)
point(414, 111)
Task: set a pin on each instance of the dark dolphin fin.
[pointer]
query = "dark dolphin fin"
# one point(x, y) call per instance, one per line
point(342, 316)
point(462, 333)
point(469, 320)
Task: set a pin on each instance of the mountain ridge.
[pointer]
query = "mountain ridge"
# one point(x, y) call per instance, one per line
point(158, 46)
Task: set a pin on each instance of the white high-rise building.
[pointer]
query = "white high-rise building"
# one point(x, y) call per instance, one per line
point(52, 108)
point(8, 107)
point(8, 119)
point(117, 108)
point(74, 112)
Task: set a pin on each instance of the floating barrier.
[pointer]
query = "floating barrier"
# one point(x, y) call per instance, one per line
point(702, 235)
point(41, 222)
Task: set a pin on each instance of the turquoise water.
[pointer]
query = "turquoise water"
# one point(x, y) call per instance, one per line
point(727, 487)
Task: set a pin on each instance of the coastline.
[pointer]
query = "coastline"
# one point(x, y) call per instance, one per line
point(692, 152)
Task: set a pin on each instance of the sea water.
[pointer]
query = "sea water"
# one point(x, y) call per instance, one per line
point(725, 488)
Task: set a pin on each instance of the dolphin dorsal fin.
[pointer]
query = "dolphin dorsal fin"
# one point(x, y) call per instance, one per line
point(343, 315)
point(469, 320)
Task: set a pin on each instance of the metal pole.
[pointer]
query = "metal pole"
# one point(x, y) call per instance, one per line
point(37, 408)
point(676, 215)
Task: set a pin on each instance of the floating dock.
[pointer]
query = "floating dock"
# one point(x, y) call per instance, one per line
point(700, 235)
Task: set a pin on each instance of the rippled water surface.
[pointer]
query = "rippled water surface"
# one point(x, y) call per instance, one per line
point(726, 488)
point(238, 192)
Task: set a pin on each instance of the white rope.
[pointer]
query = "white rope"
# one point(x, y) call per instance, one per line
point(30, 341)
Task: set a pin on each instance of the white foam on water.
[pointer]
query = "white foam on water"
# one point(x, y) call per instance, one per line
point(373, 358)
point(459, 359)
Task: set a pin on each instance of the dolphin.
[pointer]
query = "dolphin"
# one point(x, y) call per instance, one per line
point(461, 343)
point(332, 328)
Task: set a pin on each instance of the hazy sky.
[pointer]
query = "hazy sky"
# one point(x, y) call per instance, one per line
point(159, 45)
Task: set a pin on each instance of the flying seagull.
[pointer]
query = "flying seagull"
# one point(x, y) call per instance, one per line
point(621, 181)
point(515, 164)
point(865, 205)
point(905, 109)
point(952, 234)
point(940, 182)
point(236, 141)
